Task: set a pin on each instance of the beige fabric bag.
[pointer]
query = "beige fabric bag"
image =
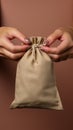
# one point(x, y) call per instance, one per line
point(35, 81)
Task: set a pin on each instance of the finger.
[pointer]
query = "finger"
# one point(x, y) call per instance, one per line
point(27, 41)
point(63, 56)
point(1, 52)
point(1, 55)
point(10, 55)
point(54, 57)
point(58, 58)
point(56, 50)
point(67, 54)
point(54, 36)
point(7, 44)
point(52, 50)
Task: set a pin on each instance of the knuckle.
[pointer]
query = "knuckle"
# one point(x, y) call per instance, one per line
point(13, 56)
point(13, 49)
point(60, 30)
point(14, 29)
point(56, 57)
point(57, 51)
point(50, 37)
point(1, 50)
point(8, 29)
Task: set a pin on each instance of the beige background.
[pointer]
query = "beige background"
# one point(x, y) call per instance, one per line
point(36, 17)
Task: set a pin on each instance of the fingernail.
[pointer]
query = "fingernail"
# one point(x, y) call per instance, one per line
point(27, 41)
point(46, 42)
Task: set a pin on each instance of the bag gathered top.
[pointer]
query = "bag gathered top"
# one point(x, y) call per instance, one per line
point(35, 85)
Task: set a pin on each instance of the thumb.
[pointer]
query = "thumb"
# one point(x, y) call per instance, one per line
point(54, 36)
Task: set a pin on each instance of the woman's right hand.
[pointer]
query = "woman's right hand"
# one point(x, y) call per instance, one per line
point(7, 48)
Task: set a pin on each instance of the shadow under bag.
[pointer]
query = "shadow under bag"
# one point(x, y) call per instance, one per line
point(35, 85)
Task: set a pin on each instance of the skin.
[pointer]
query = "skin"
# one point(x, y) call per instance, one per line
point(7, 48)
point(62, 52)
point(65, 49)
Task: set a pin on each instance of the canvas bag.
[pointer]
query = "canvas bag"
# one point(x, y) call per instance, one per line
point(35, 85)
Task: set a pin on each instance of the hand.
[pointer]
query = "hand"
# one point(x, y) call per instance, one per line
point(65, 49)
point(7, 47)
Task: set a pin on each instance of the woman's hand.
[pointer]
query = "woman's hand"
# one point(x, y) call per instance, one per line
point(8, 48)
point(65, 49)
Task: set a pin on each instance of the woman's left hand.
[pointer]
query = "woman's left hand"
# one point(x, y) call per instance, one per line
point(65, 49)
